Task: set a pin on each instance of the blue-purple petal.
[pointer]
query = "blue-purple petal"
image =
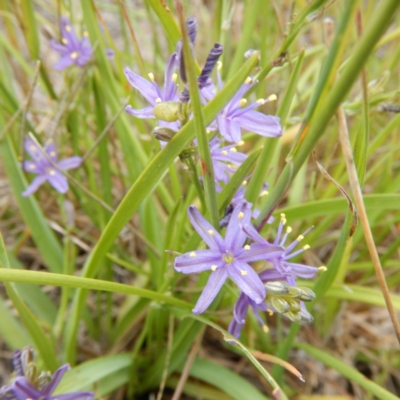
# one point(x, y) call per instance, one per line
point(75, 396)
point(198, 261)
point(235, 237)
point(259, 252)
point(70, 162)
point(204, 229)
point(58, 181)
point(301, 270)
point(38, 181)
point(64, 62)
point(146, 112)
point(146, 88)
point(247, 280)
point(229, 129)
point(55, 380)
point(24, 390)
point(257, 122)
point(210, 291)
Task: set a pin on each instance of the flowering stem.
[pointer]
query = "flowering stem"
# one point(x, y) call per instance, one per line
point(196, 182)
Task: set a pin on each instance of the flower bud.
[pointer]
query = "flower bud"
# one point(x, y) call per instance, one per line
point(277, 287)
point(280, 305)
point(167, 111)
point(163, 133)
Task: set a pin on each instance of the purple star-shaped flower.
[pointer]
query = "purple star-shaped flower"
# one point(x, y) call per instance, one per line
point(223, 158)
point(23, 389)
point(71, 49)
point(45, 170)
point(286, 268)
point(153, 94)
point(227, 257)
point(237, 115)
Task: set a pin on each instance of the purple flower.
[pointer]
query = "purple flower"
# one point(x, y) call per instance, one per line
point(23, 389)
point(224, 159)
point(45, 170)
point(237, 115)
point(154, 95)
point(282, 263)
point(227, 257)
point(71, 49)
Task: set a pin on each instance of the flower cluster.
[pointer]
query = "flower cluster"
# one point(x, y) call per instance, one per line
point(28, 384)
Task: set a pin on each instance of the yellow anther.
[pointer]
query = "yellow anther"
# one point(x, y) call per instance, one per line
point(52, 153)
point(247, 247)
point(32, 148)
point(211, 232)
point(64, 41)
point(306, 247)
point(265, 328)
point(219, 66)
point(52, 172)
point(74, 55)
point(232, 150)
point(244, 183)
point(213, 267)
point(158, 100)
point(283, 219)
point(67, 28)
point(248, 80)
point(300, 238)
point(174, 77)
point(260, 101)
point(240, 143)
point(151, 76)
point(272, 97)
point(85, 33)
point(224, 152)
point(270, 313)
point(192, 254)
point(289, 229)
point(323, 268)
point(208, 131)
point(264, 193)
point(32, 166)
point(243, 272)
point(241, 215)
point(243, 102)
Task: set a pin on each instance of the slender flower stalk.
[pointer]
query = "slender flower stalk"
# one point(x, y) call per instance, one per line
point(44, 169)
point(71, 49)
point(227, 257)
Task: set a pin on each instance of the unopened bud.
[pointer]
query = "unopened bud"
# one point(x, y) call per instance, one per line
point(277, 287)
point(162, 133)
point(280, 305)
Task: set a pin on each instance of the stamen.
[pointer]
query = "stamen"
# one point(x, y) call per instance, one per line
point(213, 267)
point(240, 143)
point(260, 101)
point(208, 131)
point(289, 229)
point(219, 65)
point(323, 268)
point(270, 313)
point(67, 28)
point(33, 148)
point(32, 166)
point(264, 193)
point(265, 328)
point(174, 77)
point(243, 272)
point(244, 183)
point(52, 172)
point(151, 76)
point(300, 238)
point(192, 254)
point(224, 152)
point(306, 247)
point(211, 232)
point(243, 102)
point(283, 219)
point(65, 41)
point(247, 247)
point(158, 100)
point(272, 97)
point(52, 153)
point(248, 80)
point(85, 33)
point(74, 55)
point(232, 150)
point(241, 215)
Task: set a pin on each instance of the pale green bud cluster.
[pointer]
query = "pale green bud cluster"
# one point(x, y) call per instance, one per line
point(286, 299)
